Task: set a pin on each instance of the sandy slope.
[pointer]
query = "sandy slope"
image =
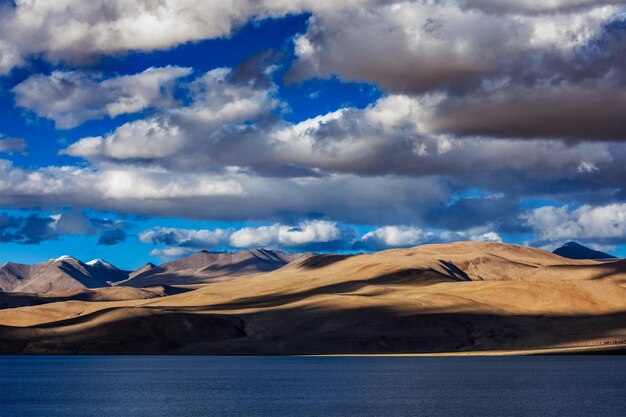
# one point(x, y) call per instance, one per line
point(458, 297)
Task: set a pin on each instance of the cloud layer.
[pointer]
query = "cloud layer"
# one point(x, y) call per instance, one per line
point(317, 235)
point(486, 108)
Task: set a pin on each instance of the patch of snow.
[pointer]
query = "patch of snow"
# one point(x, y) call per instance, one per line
point(65, 258)
point(101, 263)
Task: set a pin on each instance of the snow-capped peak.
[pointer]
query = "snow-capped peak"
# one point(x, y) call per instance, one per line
point(64, 258)
point(101, 263)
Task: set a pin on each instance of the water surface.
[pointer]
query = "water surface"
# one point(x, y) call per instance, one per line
point(111, 386)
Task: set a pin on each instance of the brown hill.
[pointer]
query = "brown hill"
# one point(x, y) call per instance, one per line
point(64, 273)
point(461, 297)
point(204, 267)
point(147, 267)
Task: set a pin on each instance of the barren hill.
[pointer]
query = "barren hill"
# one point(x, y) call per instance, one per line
point(204, 267)
point(64, 273)
point(461, 297)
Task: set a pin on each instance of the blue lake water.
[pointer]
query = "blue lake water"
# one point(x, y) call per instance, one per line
point(111, 386)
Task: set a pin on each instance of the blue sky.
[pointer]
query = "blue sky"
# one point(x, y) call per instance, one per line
point(152, 132)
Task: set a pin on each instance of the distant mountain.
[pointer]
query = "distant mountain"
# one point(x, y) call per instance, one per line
point(68, 273)
point(64, 273)
point(573, 250)
point(101, 263)
point(147, 267)
point(204, 266)
point(459, 297)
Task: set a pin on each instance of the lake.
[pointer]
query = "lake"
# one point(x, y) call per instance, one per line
point(186, 386)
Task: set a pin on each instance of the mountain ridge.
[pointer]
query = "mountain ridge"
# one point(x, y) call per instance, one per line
point(461, 298)
point(574, 250)
point(69, 273)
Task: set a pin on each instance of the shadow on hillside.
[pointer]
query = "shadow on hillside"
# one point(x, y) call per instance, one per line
point(307, 330)
point(15, 300)
point(321, 261)
point(406, 276)
point(454, 271)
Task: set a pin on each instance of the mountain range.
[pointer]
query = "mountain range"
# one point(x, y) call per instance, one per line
point(68, 273)
point(463, 297)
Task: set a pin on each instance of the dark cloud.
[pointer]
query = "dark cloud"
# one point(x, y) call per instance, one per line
point(555, 75)
point(535, 6)
point(255, 70)
point(466, 213)
point(112, 237)
point(35, 228)
point(12, 145)
point(26, 230)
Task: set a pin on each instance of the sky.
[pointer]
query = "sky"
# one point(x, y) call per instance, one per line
point(144, 131)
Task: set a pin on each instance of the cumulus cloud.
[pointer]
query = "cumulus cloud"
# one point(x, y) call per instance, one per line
point(74, 31)
point(234, 195)
point(73, 97)
point(585, 222)
point(10, 56)
point(506, 69)
point(219, 111)
point(171, 253)
point(466, 83)
point(225, 155)
point(231, 124)
point(421, 46)
point(186, 237)
point(316, 236)
point(78, 32)
point(306, 235)
point(394, 236)
point(389, 237)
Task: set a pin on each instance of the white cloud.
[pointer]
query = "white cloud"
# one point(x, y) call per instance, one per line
point(585, 222)
point(73, 97)
point(171, 253)
point(10, 57)
point(276, 235)
point(147, 184)
point(587, 167)
point(303, 234)
point(487, 237)
point(217, 103)
point(396, 236)
point(315, 235)
point(60, 186)
point(407, 236)
point(186, 237)
point(78, 31)
point(231, 125)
